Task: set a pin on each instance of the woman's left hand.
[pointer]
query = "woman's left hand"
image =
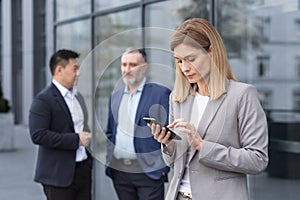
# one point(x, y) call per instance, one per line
point(189, 129)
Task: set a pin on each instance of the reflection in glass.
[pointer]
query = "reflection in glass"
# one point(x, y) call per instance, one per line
point(297, 25)
point(297, 66)
point(262, 45)
point(66, 9)
point(232, 16)
point(263, 65)
point(297, 100)
point(194, 9)
point(108, 25)
point(73, 36)
point(113, 34)
point(167, 15)
point(104, 4)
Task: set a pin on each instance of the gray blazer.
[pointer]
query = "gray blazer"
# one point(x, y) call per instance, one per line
point(235, 143)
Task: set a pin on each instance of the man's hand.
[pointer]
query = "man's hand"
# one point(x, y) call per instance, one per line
point(85, 138)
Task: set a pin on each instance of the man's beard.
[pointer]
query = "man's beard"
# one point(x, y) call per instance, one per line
point(134, 81)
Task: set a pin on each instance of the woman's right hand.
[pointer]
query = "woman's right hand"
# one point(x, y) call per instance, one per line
point(159, 133)
point(162, 136)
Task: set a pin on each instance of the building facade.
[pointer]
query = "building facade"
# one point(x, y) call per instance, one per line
point(262, 39)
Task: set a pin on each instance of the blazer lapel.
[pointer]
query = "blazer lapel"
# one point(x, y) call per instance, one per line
point(146, 93)
point(60, 100)
point(82, 104)
point(115, 104)
point(208, 115)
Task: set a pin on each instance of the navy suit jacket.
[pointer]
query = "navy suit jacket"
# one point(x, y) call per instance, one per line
point(154, 102)
point(52, 128)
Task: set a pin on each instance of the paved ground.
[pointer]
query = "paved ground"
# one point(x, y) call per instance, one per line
point(17, 172)
point(17, 168)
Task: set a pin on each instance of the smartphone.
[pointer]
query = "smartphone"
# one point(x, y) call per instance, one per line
point(174, 135)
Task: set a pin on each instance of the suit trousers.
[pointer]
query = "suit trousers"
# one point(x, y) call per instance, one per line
point(80, 189)
point(137, 186)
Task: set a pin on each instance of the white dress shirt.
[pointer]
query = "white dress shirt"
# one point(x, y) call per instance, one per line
point(199, 106)
point(76, 113)
point(125, 131)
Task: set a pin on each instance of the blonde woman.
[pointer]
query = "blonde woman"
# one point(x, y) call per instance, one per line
point(221, 122)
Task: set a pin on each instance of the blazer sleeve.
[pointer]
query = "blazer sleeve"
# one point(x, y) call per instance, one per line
point(169, 157)
point(49, 128)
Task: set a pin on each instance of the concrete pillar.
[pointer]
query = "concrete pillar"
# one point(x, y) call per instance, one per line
point(28, 79)
point(6, 50)
point(50, 35)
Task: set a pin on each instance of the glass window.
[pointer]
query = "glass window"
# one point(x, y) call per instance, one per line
point(113, 34)
point(231, 22)
point(297, 60)
point(263, 26)
point(108, 25)
point(297, 27)
point(73, 36)
point(265, 98)
point(262, 65)
point(169, 14)
point(297, 100)
point(66, 9)
point(259, 37)
point(259, 2)
point(162, 19)
point(104, 4)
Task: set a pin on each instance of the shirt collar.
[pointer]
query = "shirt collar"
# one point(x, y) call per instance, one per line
point(140, 88)
point(63, 90)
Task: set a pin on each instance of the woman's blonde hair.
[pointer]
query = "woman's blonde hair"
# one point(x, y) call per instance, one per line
point(200, 33)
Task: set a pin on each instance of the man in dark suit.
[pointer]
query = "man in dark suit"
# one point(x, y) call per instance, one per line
point(58, 124)
point(134, 159)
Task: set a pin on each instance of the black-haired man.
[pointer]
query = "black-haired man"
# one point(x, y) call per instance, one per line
point(58, 124)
